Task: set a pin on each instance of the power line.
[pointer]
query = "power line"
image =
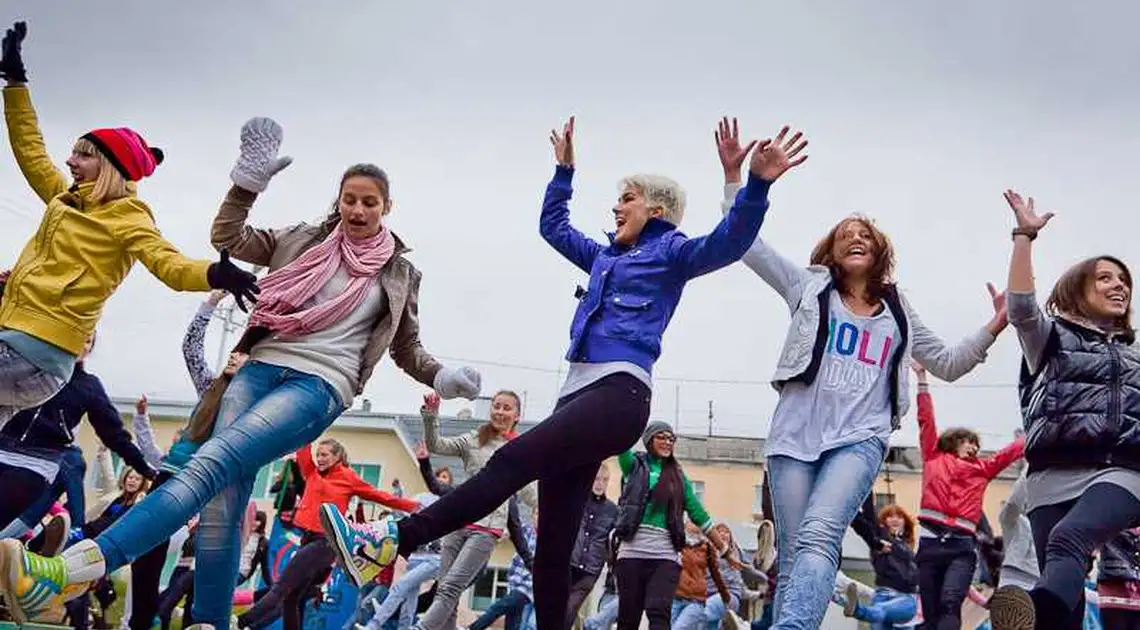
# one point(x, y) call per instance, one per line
point(701, 381)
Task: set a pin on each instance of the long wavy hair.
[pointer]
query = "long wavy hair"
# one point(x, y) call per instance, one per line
point(910, 528)
point(881, 275)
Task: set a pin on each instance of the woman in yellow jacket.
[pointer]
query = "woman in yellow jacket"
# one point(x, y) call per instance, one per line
point(90, 236)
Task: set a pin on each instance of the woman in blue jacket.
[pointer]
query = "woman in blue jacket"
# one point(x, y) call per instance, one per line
point(635, 284)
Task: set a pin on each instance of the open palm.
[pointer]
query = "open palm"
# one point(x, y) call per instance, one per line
point(1025, 212)
point(728, 146)
point(773, 158)
point(563, 144)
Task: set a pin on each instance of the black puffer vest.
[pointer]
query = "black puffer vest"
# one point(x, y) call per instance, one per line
point(635, 498)
point(1082, 408)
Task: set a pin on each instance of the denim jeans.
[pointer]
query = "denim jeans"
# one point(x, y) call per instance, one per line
point(887, 608)
point(606, 616)
point(512, 606)
point(266, 412)
point(405, 592)
point(23, 385)
point(687, 614)
point(364, 597)
point(715, 609)
point(814, 503)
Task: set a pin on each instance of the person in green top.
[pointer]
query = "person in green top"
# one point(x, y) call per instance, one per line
point(656, 495)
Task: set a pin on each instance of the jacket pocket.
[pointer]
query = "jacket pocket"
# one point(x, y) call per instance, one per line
point(632, 317)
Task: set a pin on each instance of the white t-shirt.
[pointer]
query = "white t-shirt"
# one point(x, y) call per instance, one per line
point(849, 400)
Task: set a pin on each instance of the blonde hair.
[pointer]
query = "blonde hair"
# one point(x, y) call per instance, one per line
point(338, 449)
point(110, 183)
point(659, 192)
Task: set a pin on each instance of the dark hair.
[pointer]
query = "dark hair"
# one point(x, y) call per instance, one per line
point(259, 520)
point(881, 276)
point(669, 493)
point(443, 469)
point(371, 171)
point(950, 439)
point(1068, 295)
point(487, 431)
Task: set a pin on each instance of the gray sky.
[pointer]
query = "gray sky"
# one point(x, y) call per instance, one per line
point(918, 115)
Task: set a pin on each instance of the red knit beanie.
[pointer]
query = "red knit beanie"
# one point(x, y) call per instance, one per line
point(127, 151)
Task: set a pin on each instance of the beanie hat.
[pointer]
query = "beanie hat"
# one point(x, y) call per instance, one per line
point(652, 429)
point(126, 150)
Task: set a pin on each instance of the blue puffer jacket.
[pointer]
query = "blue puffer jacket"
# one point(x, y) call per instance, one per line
point(634, 290)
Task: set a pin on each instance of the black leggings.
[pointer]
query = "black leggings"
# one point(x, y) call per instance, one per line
point(307, 569)
point(563, 453)
point(22, 488)
point(146, 573)
point(646, 586)
point(1066, 534)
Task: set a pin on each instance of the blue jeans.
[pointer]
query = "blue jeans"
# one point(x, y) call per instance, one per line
point(687, 614)
point(715, 609)
point(512, 606)
point(606, 616)
point(887, 608)
point(267, 411)
point(405, 592)
point(364, 597)
point(814, 503)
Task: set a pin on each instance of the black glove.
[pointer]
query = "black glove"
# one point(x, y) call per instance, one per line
point(229, 277)
point(11, 63)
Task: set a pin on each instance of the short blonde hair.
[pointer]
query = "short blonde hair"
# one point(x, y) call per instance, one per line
point(659, 192)
point(110, 183)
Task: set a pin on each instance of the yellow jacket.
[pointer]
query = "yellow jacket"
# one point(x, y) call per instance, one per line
point(82, 251)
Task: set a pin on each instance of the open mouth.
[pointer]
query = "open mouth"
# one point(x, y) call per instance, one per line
point(619, 221)
point(857, 249)
point(1117, 297)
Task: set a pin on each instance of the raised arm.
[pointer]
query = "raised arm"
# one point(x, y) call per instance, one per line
point(305, 462)
point(434, 485)
point(144, 434)
point(950, 363)
point(108, 425)
point(927, 430)
point(866, 525)
point(193, 344)
point(456, 446)
point(1033, 328)
point(23, 127)
point(554, 223)
point(778, 272)
point(362, 489)
point(999, 461)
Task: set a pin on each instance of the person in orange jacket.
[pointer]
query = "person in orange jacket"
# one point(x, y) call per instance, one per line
point(328, 479)
point(954, 481)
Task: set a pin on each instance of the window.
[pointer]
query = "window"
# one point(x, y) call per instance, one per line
point(883, 499)
point(488, 587)
point(265, 478)
point(698, 490)
point(370, 473)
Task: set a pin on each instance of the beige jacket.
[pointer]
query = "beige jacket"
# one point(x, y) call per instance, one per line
point(397, 332)
point(475, 456)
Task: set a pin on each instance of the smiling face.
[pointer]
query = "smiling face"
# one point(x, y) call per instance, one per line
point(854, 248)
point(1108, 291)
point(967, 449)
point(362, 205)
point(504, 412)
point(84, 162)
point(895, 523)
point(326, 458)
point(662, 444)
point(857, 252)
point(234, 363)
point(132, 483)
point(630, 215)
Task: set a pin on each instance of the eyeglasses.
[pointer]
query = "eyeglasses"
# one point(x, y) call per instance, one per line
point(665, 437)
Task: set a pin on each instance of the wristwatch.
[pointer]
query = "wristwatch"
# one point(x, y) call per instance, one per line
point(1027, 232)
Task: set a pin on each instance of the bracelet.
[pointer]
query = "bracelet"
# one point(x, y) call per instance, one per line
point(1026, 232)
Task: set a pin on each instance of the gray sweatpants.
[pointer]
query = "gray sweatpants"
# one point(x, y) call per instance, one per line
point(463, 556)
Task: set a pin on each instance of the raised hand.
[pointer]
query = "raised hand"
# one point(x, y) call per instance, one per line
point(773, 158)
point(729, 150)
point(141, 405)
point(1025, 213)
point(431, 403)
point(563, 144)
point(258, 161)
point(1001, 317)
point(11, 58)
point(421, 450)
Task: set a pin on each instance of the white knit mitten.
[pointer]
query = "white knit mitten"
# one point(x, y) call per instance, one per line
point(258, 161)
point(462, 383)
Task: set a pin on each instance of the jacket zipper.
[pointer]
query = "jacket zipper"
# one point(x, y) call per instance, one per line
point(1113, 398)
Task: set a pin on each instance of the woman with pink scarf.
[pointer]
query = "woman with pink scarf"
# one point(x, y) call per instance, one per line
point(339, 296)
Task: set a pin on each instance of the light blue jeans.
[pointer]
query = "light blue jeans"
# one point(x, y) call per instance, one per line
point(267, 411)
point(715, 609)
point(606, 615)
point(687, 614)
point(814, 503)
point(887, 608)
point(405, 592)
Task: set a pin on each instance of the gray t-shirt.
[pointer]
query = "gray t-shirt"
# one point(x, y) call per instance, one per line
point(1055, 485)
point(849, 400)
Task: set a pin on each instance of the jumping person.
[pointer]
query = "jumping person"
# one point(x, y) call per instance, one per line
point(92, 232)
point(635, 285)
point(339, 296)
point(954, 482)
point(1079, 372)
point(842, 380)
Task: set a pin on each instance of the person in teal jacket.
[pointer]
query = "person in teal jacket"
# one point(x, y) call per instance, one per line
point(656, 495)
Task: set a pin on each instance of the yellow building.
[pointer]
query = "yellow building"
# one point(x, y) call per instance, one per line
point(727, 473)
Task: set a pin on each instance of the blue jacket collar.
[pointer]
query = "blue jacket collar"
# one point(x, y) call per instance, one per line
point(654, 229)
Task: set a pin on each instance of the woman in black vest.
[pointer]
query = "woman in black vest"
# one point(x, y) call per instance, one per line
point(1080, 397)
point(655, 497)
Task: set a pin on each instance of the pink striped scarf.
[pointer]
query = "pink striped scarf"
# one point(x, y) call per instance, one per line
point(284, 292)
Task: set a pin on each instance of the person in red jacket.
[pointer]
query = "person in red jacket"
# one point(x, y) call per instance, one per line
point(328, 479)
point(954, 481)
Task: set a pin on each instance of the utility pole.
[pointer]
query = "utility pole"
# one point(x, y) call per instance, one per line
point(710, 418)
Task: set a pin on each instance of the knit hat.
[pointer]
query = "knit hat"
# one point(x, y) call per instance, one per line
point(127, 151)
point(653, 428)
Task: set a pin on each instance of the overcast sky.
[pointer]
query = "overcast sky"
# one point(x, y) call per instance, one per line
point(919, 114)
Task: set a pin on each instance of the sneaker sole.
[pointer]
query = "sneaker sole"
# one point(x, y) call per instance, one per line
point(1011, 608)
point(765, 545)
point(343, 555)
point(9, 575)
point(851, 594)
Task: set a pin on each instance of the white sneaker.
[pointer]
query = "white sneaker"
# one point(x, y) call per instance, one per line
point(765, 546)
